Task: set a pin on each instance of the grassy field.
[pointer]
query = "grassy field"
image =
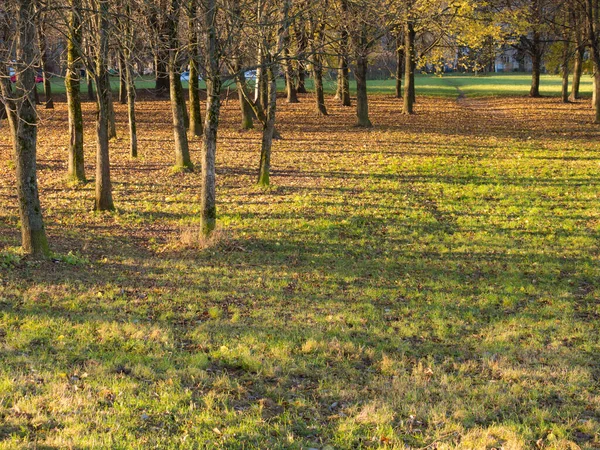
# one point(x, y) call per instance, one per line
point(430, 85)
point(430, 283)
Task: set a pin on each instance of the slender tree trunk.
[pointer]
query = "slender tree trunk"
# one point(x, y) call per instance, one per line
point(182, 152)
point(104, 199)
point(565, 73)
point(318, 81)
point(130, 86)
point(181, 100)
point(268, 129)
point(596, 92)
point(44, 60)
point(400, 57)
point(409, 67)
point(211, 123)
point(245, 106)
point(536, 62)
point(344, 73)
point(302, 40)
point(577, 71)
point(122, 79)
point(290, 79)
point(162, 72)
point(33, 233)
point(362, 101)
point(112, 120)
point(90, 86)
point(195, 118)
point(130, 82)
point(76, 171)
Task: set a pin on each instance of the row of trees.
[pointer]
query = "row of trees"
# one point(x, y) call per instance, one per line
point(229, 41)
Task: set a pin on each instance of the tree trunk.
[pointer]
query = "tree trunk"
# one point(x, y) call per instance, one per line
point(211, 123)
point(577, 71)
point(76, 171)
point(112, 122)
point(122, 79)
point(245, 106)
point(195, 117)
point(33, 233)
point(162, 72)
point(302, 40)
point(362, 101)
point(104, 200)
point(130, 87)
point(343, 74)
point(268, 128)
point(536, 62)
point(130, 83)
point(409, 67)
point(182, 152)
point(399, 64)
point(565, 73)
point(290, 79)
point(318, 81)
point(90, 86)
point(44, 60)
point(181, 100)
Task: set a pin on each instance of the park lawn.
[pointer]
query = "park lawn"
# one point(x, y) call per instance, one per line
point(512, 84)
point(430, 283)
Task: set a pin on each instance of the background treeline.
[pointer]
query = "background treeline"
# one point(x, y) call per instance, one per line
point(250, 44)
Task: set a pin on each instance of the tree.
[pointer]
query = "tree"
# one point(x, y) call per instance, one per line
point(21, 111)
point(208, 218)
point(178, 108)
point(76, 168)
point(100, 27)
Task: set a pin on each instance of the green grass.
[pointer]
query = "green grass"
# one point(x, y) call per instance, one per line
point(433, 281)
point(430, 85)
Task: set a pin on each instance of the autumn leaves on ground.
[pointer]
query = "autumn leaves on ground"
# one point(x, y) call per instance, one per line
point(429, 283)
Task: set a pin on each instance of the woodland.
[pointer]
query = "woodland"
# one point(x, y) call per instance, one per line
point(304, 224)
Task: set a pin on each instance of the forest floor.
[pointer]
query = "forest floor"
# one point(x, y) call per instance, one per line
point(432, 282)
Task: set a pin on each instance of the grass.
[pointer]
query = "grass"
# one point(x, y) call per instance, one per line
point(429, 283)
point(512, 84)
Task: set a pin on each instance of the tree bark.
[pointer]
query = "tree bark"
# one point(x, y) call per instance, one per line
point(112, 121)
point(130, 86)
point(409, 67)
point(33, 233)
point(178, 107)
point(90, 86)
point(162, 72)
point(195, 116)
point(565, 73)
point(344, 72)
point(399, 64)
point(317, 66)
point(104, 199)
point(208, 219)
point(182, 152)
point(245, 106)
point(577, 71)
point(49, 102)
point(536, 62)
point(290, 79)
point(268, 129)
point(122, 79)
point(362, 100)
point(318, 82)
point(302, 40)
point(76, 168)
point(130, 83)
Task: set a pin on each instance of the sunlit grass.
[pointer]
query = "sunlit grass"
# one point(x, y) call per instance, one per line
point(430, 282)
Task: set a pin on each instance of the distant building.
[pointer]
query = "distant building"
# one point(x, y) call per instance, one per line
point(509, 59)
